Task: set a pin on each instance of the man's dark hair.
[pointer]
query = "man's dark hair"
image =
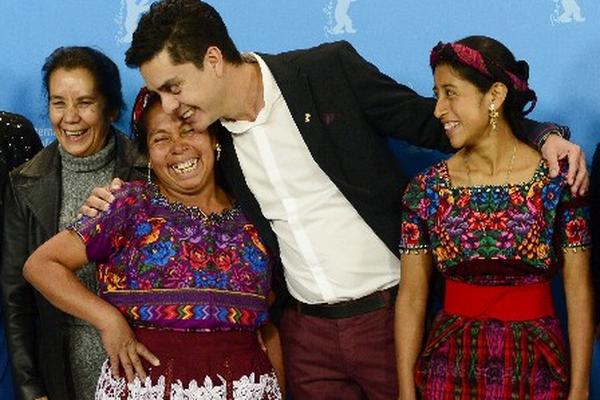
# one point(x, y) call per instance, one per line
point(104, 71)
point(185, 28)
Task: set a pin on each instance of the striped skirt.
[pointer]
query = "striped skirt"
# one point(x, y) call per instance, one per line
point(467, 358)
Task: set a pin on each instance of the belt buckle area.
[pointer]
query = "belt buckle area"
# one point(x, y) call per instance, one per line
point(350, 308)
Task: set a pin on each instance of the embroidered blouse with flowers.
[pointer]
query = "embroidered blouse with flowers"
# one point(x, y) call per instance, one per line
point(504, 242)
point(520, 224)
point(166, 265)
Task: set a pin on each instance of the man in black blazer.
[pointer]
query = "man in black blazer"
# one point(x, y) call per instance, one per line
point(305, 154)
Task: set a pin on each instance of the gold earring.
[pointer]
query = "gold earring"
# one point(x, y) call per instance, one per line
point(493, 114)
point(218, 150)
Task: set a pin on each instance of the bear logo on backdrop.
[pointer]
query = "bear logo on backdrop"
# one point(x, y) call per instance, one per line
point(128, 17)
point(339, 22)
point(566, 11)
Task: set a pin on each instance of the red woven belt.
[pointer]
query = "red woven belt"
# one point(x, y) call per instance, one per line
point(506, 303)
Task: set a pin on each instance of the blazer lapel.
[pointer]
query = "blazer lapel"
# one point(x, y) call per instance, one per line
point(296, 91)
point(235, 182)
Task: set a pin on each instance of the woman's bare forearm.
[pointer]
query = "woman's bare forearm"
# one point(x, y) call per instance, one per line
point(51, 270)
point(409, 318)
point(579, 298)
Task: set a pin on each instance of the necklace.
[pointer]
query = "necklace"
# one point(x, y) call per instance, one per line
point(488, 190)
point(511, 164)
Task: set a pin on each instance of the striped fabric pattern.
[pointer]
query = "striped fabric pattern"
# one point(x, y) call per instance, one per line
point(489, 359)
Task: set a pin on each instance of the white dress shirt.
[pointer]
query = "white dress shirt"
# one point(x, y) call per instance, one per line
point(329, 253)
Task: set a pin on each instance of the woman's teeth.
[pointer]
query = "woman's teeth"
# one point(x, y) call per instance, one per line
point(186, 166)
point(187, 114)
point(450, 125)
point(74, 133)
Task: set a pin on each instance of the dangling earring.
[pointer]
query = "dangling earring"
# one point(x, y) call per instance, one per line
point(149, 177)
point(493, 116)
point(218, 150)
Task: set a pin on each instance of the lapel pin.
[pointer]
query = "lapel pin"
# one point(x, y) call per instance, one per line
point(307, 118)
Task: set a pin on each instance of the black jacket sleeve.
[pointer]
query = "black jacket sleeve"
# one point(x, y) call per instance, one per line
point(398, 111)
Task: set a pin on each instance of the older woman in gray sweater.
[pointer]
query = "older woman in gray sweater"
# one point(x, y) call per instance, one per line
point(53, 355)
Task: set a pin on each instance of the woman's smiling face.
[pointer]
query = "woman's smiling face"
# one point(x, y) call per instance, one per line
point(77, 112)
point(460, 107)
point(182, 158)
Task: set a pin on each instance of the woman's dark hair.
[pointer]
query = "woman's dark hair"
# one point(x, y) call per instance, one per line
point(185, 28)
point(104, 71)
point(499, 63)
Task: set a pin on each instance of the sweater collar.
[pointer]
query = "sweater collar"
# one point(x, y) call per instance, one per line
point(89, 163)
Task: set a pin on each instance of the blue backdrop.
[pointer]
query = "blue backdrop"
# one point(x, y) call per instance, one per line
point(559, 38)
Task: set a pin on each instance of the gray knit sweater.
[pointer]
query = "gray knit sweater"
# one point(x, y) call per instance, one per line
point(79, 176)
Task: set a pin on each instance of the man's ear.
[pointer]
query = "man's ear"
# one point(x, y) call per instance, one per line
point(214, 60)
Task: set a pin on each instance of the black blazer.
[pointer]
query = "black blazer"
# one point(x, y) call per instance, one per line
point(35, 327)
point(346, 110)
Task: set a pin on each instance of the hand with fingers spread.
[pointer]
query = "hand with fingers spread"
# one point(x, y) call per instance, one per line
point(556, 148)
point(124, 350)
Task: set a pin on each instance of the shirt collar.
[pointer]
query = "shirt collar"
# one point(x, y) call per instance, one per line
point(271, 93)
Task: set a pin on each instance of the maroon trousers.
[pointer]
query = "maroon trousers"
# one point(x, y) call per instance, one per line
point(331, 359)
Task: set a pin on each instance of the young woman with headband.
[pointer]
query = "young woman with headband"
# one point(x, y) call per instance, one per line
point(499, 228)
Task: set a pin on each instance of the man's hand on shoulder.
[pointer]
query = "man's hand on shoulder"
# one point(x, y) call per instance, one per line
point(556, 148)
point(100, 199)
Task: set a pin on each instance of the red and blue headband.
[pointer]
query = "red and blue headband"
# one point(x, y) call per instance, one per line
point(142, 101)
point(474, 59)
